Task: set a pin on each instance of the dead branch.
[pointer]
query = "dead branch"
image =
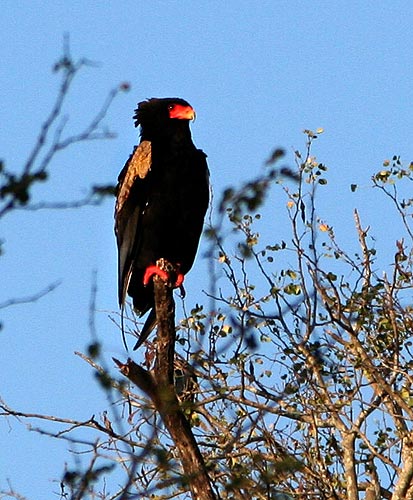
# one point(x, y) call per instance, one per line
point(159, 387)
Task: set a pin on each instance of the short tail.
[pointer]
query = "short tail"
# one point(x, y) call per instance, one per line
point(149, 325)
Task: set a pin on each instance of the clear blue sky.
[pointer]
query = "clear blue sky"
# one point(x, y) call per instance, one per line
point(257, 73)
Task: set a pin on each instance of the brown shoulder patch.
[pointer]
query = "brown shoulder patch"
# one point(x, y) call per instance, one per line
point(139, 166)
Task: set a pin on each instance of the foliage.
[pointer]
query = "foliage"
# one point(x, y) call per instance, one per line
point(299, 375)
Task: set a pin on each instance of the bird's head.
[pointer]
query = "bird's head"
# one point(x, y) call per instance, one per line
point(163, 116)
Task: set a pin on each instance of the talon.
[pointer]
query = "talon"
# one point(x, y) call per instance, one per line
point(182, 291)
point(151, 271)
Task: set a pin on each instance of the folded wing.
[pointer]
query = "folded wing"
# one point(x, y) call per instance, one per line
point(130, 203)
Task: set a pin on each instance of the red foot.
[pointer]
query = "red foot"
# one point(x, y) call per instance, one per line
point(179, 283)
point(151, 271)
point(179, 280)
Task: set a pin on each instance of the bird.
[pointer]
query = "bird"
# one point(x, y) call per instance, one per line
point(162, 197)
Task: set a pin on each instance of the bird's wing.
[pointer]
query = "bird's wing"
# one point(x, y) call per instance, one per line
point(127, 212)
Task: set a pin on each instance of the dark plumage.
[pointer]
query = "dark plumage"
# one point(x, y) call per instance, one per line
point(162, 198)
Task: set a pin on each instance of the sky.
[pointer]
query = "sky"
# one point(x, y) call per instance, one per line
point(258, 73)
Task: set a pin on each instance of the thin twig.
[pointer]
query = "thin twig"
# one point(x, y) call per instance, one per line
point(30, 298)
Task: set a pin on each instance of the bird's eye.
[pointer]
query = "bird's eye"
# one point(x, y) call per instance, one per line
point(171, 107)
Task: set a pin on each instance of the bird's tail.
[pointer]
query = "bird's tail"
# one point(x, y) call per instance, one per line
point(149, 325)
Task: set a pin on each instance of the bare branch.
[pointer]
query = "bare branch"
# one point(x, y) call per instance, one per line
point(162, 392)
point(30, 298)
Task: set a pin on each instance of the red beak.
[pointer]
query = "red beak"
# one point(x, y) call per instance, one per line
point(182, 112)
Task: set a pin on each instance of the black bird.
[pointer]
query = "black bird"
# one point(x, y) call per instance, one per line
point(162, 198)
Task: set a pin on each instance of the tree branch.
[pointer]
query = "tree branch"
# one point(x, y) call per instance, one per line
point(31, 298)
point(161, 389)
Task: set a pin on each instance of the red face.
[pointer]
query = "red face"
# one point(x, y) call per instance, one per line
point(180, 112)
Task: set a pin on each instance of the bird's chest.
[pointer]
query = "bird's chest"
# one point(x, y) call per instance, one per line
point(174, 185)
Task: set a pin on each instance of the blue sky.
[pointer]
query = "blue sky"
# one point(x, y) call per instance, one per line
point(257, 73)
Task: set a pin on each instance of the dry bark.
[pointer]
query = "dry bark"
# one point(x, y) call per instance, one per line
point(160, 388)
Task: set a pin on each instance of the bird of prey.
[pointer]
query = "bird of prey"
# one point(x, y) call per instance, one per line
point(162, 198)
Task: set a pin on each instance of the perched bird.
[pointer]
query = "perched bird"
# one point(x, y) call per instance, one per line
point(162, 198)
